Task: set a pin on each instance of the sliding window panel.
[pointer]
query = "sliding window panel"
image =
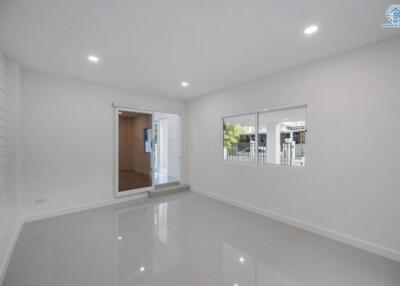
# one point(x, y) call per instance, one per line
point(240, 138)
point(282, 137)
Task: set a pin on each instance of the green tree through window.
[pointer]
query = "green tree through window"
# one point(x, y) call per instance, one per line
point(231, 135)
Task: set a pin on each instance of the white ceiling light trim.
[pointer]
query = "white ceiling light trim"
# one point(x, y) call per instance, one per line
point(93, 58)
point(311, 30)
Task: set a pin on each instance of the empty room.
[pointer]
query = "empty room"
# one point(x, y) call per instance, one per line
point(199, 143)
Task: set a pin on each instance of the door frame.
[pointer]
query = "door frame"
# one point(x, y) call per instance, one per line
point(117, 193)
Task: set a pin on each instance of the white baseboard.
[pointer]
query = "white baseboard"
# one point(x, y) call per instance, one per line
point(14, 232)
point(84, 207)
point(347, 239)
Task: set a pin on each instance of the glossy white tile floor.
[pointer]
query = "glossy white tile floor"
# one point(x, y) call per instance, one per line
point(185, 239)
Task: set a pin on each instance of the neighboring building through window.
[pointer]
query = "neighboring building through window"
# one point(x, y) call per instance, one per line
point(270, 137)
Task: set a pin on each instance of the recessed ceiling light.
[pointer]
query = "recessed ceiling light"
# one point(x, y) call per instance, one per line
point(241, 259)
point(310, 29)
point(142, 269)
point(236, 284)
point(93, 58)
point(119, 237)
point(184, 84)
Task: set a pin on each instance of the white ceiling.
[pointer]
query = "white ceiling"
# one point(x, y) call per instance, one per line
point(151, 46)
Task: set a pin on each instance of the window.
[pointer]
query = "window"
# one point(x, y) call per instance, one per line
point(239, 138)
point(272, 137)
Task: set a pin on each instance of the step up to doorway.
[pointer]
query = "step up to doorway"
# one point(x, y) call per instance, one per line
point(168, 188)
point(166, 185)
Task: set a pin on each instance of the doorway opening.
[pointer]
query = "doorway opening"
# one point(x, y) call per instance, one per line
point(148, 150)
point(134, 151)
point(167, 151)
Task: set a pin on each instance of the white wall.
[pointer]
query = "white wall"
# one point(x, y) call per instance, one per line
point(67, 141)
point(350, 189)
point(13, 129)
point(3, 135)
point(10, 222)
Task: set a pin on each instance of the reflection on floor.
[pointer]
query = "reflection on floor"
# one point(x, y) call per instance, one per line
point(186, 240)
point(129, 180)
point(162, 177)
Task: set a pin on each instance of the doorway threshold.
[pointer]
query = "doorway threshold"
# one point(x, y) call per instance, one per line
point(168, 188)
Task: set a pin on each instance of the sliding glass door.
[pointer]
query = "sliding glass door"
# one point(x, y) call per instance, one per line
point(135, 150)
